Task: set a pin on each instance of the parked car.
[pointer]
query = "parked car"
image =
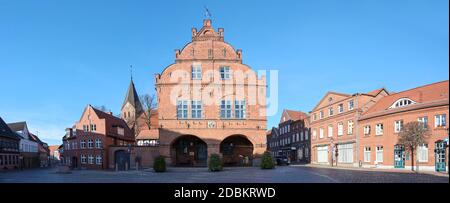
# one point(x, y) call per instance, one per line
point(282, 160)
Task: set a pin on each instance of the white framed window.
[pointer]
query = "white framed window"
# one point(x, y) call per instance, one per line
point(321, 133)
point(225, 73)
point(330, 111)
point(379, 129)
point(351, 105)
point(239, 109)
point(314, 134)
point(315, 116)
point(225, 109)
point(98, 143)
point(90, 144)
point(341, 108)
point(402, 102)
point(345, 153)
point(196, 72)
point(350, 127)
point(423, 121)
point(379, 154)
point(340, 129)
point(196, 108)
point(367, 130)
point(300, 136)
point(440, 120)
point(367, 154)
point(288, 128)
point(330, 130)
point(321, 114)
point(83, 159)
point(98, 160)
point(398, 125)
point(422, 153)
point(82, 144)
point(322, 154)
point(182, 109)
point(90, 159)
point(93, 127)
point(85, 128)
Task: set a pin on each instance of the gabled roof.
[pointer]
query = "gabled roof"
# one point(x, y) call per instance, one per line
point(148, 134)
point(428, 94)
point(53, 147)
point(6, 131)
point(103, 115)
point(35, 138)
point(293, 115)
point(17, 126)
point(376, 92)
point(132, 97)
point(326, 96)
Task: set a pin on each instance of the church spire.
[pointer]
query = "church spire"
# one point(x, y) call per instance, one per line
point(131, 107)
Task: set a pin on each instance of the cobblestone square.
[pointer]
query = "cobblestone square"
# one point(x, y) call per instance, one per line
point(285, 174)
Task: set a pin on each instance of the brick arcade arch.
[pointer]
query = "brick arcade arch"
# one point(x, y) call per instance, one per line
point(189, 150)
point(237, 150)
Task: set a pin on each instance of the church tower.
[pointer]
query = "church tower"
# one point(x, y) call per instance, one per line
point(131, 107)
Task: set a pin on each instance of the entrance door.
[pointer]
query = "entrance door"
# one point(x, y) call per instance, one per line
point(399, 156)
point(322, 154)
point(440, 162)
point(189, 150)
point(202, 154)
point(74, 162)
point(122, 160)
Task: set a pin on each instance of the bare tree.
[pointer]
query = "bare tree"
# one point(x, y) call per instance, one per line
point(148, 105)
point(102, 108)
point(411, 136)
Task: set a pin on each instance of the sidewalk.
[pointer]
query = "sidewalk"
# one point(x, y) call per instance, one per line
point(442, 174)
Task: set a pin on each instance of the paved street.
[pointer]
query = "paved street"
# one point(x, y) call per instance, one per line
point(286, 174)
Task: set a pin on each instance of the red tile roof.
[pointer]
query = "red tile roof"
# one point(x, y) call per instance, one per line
point(296, 115)
point(427, 94)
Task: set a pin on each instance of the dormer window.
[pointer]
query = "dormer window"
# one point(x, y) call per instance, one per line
point(402, 102)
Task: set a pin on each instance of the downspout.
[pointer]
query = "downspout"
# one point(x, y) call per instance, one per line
point(358, 112)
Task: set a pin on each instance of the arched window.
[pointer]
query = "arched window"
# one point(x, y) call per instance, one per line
point(402, 102)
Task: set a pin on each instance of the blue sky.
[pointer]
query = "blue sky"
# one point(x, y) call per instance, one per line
point(58, 56)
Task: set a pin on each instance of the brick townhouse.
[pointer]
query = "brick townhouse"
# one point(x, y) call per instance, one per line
point(210, 102)
point(9, 147)
point(334, 126)
point(380, 125)
point(86, 144)
point(291, 138)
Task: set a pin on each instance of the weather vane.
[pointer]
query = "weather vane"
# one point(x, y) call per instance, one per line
point(207, 13)
point(131, 71)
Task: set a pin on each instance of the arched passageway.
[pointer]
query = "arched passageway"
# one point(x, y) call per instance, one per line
point(189, 150)
point(236, 150)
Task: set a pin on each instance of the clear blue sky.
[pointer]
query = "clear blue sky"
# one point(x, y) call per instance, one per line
point(58, 56)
